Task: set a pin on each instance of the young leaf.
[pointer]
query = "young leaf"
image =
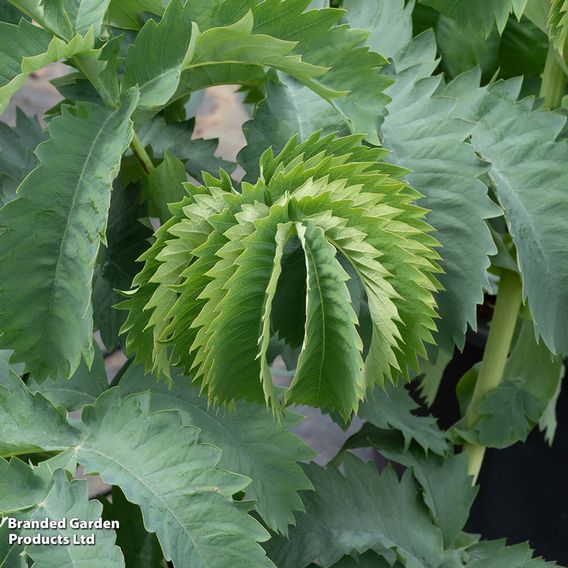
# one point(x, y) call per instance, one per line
point(358, 511)
point(185, 498)
point(222, 237)
point(252, 443)
point(56, 225)
point(558, 24)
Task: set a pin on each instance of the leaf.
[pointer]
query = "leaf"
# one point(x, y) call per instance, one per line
point(127, 236)
point(530, 381)
point(331, 347)
point(447, 489)
point(463, 51)
point(423, 136)
point(391, 408)
point(524, 150)
point(289, 109)
point(141, 549)
point(184, 497)
point(478, 15)
point(57, 498)
point(69, 17)
point(28, 422)
point(358, 511)
point(432, 373)
point(251, 441)
point(26, 48)
point(165, 186)
point(128, 14)
point(558, 24)
point(494, 554)
point(153, 61)
point(17, 158)
point(56, 224)
point(82, 388)
point(217, 332)
point(197, 154)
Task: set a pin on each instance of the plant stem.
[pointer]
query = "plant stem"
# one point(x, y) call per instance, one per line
point(141, 153)
point(553, 80)
point(494, 357)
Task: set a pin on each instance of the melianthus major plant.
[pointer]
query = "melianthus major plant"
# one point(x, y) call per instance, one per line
point(381, 200)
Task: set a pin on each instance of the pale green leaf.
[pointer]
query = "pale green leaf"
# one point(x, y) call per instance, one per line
point(56, 224)
point(69, 17)
point(524, 151)
point(184, 497)
point(252, 443)
point(38, 496)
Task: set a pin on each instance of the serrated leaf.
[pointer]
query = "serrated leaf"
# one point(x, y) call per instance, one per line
point(153, 62)
point(558, 24)
point(26, 48)
point(495, 554)
point(252, 443)
point(392, 407)
point(184, 497)
point(56, 224)
point(425, 137)
point(82, 388)
point(165, 186)
point(358, 511)
point(186, 297)
point(447, 489)
point(17, 158)
point(479, 15)
point(523, 148)
point(56, 498)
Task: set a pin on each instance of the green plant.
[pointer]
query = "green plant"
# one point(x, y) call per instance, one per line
point(381, 201)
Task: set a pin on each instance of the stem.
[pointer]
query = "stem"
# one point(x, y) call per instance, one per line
point(494, 357)
point(553, 80)
point(141, 153)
